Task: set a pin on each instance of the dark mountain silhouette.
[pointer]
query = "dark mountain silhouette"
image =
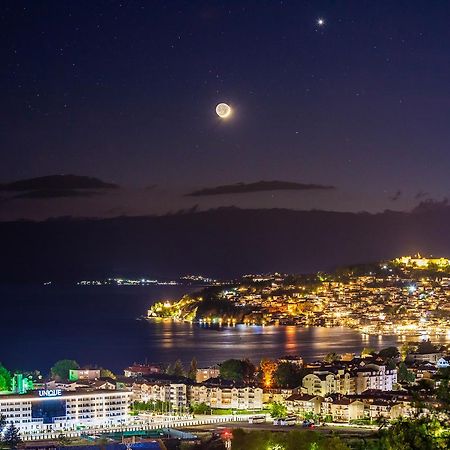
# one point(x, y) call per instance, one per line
point(225, 242)
point(243, 188)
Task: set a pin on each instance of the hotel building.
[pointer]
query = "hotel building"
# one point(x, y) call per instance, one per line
point(57, 410)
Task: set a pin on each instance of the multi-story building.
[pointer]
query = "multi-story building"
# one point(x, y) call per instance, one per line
point(304, 404)
point(349, 381)
point(214, 394)
point(57, 410)
point(207, 373)
point(227, 396)
point(375, 377)
point(173, 393)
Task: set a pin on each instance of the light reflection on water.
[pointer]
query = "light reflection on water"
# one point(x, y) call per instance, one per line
point(98, 326)
point(212, 345)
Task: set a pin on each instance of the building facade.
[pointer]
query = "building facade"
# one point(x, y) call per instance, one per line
point(227, 397)
point(56, 410)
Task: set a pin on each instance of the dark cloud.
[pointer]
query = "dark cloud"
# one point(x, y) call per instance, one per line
point(431, 205)
point(243, 188)
point(396, 196)
point(57, 182)
point(421, 194)
point(56, 186)
point(56, 193)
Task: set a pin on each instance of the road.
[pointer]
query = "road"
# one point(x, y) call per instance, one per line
point(344, 429)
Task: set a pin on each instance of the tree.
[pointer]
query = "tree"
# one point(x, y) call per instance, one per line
point(268, 368)
point(249, 370)
point(404, 375)
point(425, 433)
point(291, 440)
point(367, 351)
point(232, 369)
point(60, 370)
point(405, 349)
point(178, 369)
point(11, 436)
point(192, 374)
point(277, 410)
point(200, 408)
point(106, 373)
point(389, 352)
point(287, 375)
point(425, 385)
point(237, 370)
point(5, 379)
point(169, 369)
point(443, 391)
point(331, 357)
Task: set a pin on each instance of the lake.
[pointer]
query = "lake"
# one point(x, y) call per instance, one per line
point(98, 325)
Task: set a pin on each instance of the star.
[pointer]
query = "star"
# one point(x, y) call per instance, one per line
point(320, 22)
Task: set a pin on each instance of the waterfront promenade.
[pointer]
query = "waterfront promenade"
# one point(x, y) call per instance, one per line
point(140, 425)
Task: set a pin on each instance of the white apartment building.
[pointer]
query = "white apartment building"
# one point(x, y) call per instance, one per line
point(174, 393)
point(376, 377)
point(57, 410)
point(343, 382)
point(324, 382)
point(246, 397)
point(207, 373)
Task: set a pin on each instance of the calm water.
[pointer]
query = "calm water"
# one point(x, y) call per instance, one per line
point(97, 325)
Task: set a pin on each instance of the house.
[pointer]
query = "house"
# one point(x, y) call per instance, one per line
point(292, 359)
point(443, 362)
point(380, 410)
point(336, 408)
point(358, 410)
point(140, 370)
point(303, 404)
point(84, 374)
point(277, 395)
point(207, 373)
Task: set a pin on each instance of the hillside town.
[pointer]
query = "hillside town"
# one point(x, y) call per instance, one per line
point(407, 296)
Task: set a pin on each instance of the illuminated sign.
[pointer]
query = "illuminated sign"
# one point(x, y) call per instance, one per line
point(50, 392)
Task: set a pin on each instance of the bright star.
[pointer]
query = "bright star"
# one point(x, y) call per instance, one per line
point(320, 22)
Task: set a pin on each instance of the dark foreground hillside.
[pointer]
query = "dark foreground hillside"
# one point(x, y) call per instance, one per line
point(222, 243)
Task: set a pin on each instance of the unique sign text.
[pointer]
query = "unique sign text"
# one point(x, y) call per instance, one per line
point(50, 392)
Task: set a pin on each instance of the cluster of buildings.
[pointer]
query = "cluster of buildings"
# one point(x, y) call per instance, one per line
point(85, 401)
point(345, 389)
point(406, 296)
point(344, 380)
point(373, 405)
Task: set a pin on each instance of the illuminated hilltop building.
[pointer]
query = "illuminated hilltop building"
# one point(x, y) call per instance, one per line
point(420, 262)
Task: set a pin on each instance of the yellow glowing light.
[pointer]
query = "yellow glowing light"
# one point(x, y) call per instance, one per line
point(223, 110)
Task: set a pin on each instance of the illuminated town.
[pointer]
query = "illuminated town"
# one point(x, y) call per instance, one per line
point(76, 404)
point(408, 296)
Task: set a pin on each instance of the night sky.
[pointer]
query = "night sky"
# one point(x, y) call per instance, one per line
point(125, 91)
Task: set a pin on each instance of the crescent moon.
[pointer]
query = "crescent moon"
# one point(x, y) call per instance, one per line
point(223, 110)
